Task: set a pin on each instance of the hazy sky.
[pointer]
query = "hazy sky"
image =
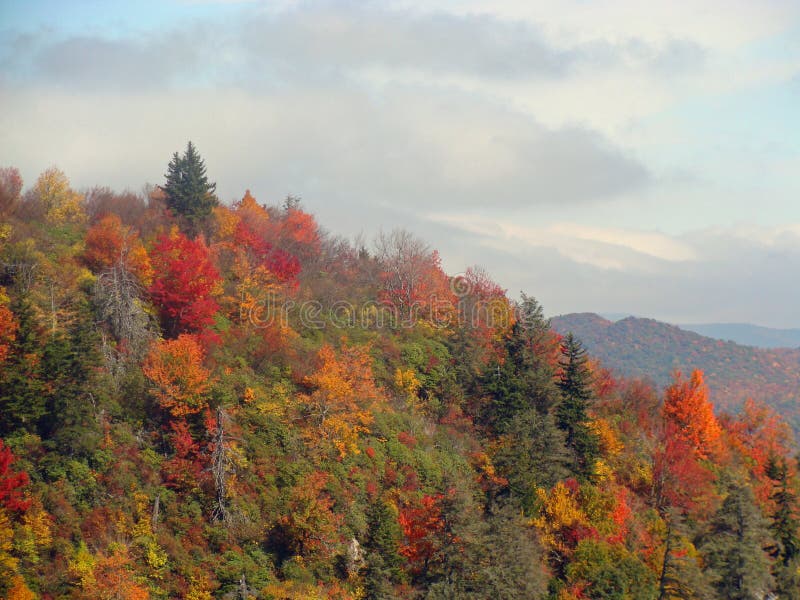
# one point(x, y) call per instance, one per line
point(626, 156)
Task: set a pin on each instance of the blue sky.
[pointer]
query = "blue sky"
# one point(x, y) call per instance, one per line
point(612, 156)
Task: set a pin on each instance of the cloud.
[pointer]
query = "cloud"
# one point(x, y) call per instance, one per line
point(736, 274)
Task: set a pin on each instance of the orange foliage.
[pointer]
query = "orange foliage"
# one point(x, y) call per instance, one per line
point(344, 391)
point(8, 330)
point(109, 242)
point(175, 367)
point(687, 407)
point(19, 590)
point(114, 578)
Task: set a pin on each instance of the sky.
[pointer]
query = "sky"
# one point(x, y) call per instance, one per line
point(605, 156)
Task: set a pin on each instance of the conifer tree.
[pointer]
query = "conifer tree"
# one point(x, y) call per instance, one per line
point(190, 195)
point(734, 548)
point(571, 414)
point(22, 401)
point(785, 527)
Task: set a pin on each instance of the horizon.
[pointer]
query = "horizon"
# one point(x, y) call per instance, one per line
point(638, 159)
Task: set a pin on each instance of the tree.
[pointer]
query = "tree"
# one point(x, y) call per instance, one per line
point(734, 547)
point(180, 382)
point(785, 527)
point(189, 194)
point(56, 198)
point(22, 399)
point(522, 379)
point(12, 483)
point(344, 391)
point(414, 285)
point(10, 188)
point(686, 406)
point(571, 414)
point(184, 284)
point(382, 545)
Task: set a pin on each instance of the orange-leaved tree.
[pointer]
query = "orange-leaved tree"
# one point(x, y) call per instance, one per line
point(109, 242)
point(343, 393)
point(687, 408)
point(180, 381)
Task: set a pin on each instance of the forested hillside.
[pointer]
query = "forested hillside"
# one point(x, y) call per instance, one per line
point(201, 400)
point(640, 348)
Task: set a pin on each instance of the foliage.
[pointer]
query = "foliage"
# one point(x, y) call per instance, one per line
point(420, 436)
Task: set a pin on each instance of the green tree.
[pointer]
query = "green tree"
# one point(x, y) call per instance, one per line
point(734, 548)
point(523, 380)
point(71, 363)
point(190, 196)
point(383, 562)
point(22, 401)
point(784, 527)
point(571, 414)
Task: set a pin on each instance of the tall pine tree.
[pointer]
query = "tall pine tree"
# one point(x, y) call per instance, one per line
point(571, 414)
point(190, 196)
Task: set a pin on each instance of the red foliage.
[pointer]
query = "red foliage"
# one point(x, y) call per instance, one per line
point(422, 524)
point(11, 483)
point(183, 284)
point(186, 469)
point(620, 516)
point(281, 264)
point(679, 479)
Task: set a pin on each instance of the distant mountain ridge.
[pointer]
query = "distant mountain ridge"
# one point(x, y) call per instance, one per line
point(637, 347)
point(747, 334)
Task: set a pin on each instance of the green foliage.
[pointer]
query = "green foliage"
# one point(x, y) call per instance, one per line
point(571, 414)
point(189, 194)
point(734, 547)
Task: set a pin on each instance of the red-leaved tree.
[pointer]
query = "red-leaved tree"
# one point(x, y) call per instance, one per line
point(184, 283)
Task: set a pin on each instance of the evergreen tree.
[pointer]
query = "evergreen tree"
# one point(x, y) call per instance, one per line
point(571, 414)
point(22, 401)
point(70, 363)
point(785, 519)
point(523, 380)
point(190, 195)
point(785, 528)
point(734, 548)
point(532, 455)
point(383, 563)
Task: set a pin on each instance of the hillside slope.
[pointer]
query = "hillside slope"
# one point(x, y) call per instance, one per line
point(637, 347)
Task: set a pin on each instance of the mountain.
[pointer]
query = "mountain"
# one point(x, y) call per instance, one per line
point(647, 348)
point(747, 334)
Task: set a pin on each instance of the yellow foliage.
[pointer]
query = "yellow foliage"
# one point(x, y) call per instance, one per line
point(343, 397)
point(406, 381)
point(155, 556)
point(225, 221)
point(559, 509)
point(602, 472)
point(34, 534)
point(81, 567)
point(610, 445)
point(61, 203)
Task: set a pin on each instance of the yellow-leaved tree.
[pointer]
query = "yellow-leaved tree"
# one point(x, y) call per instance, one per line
point(59, 201)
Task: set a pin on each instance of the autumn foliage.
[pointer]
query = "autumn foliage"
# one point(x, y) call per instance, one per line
point(175, 368)
point(687, 408)
point(184, 283)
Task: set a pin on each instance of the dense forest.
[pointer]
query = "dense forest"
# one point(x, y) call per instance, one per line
point(204, 400)
point(645, 348)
